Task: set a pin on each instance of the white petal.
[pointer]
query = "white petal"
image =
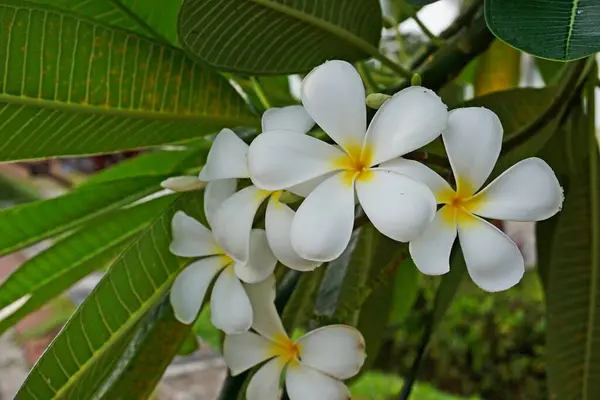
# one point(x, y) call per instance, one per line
point(337, 350)
point(334, 96)
point(431, 251)
point(233, 221)
point(323, 223)
point(305, 383)
point(412, 118)
point(291, 118)
point(527, 191)
point(399, 207)
point(230, 308)
point(472, 140)
point(305, 188)
point(191, 238)
point(419, 172)
point(278, 161)
point(266, 321)
point(182, 183)
point(227, 158)
point(215, 194)
point(264, 385)
point(493, 260)
point(261, 262)
point(190, 287)
point(245, 350)
point(278, 224)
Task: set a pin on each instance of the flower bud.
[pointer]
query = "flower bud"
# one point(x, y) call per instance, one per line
point(182, 183)
point(376, 100)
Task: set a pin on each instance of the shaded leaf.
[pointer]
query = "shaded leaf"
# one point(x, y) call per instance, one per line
point(86, 351)
point(72, 86)
point(498, 69)
point(55, 269)
point(278, 36)
point(560, 30)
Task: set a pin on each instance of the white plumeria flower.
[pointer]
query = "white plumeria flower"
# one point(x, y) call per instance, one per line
point(398, 206)
point(528, 191)
point(315, 365)
point(230, 307)
point(228, 158)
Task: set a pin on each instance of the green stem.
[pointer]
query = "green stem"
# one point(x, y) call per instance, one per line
point(260, 93)
point(372, 86)
point(436, 41)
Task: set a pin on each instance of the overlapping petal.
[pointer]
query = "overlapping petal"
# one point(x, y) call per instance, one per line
point(334, 96)
point(233, 220)
point(264, 385)
point(261, 261)
point(215, 194)
point(494, 262)
point(279, 161)
point(323, 223)
point(431, 251)
point(266, 320)
point(191, 238)
point(227, 158)
point(189, 288)
point(245, 350)
point(528, 191)
point(337, 350)
point(473, 140)
point(278, 225)
point(399, 207)
point(292, 118)
point(409, 120)
point(230, 308)
point(421, 173)
point(305, 383)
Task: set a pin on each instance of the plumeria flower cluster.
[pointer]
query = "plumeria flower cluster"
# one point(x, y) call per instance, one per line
point(357, 165)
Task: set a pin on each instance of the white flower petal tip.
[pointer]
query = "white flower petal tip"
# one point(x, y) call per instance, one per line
point(528, 191)
point(409, 120)
point(261, 261)
point(334, 96)
point(398, 206)
point(292, 118)
point(227, 158)
point(230, 307)
point(278, 161)
point(493, 260)
point(431, 251)
point(337, 350)
point(189, 288)
point(322, 227)
point(182, 183)
point(190, 237)
point(472, 140)
point(278, 223)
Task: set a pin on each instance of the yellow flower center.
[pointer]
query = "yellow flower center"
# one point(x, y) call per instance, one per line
point(355, 163)
point(287, 350)
point(459, 204)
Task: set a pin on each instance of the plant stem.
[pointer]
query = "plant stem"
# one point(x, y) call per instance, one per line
point(260, 93)
point(372, 86)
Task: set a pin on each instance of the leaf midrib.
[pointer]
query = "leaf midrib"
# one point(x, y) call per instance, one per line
point(119, 112)
point(323, 24)
point(571, 27)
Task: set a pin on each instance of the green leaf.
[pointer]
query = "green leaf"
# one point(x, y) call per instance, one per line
point(159, 163)
point(549, 70)
point(406, 289)
point(300, 307)
point(87, 350)
point(156, 18)
point(499, 68)
point(72, 86)
point(55, 269)
point(23, 225)
point(559, 30)
point(279, 36)
point(158, 341)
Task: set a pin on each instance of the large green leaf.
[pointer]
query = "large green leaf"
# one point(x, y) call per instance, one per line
point(158, 341)
point(279, 36)
point(88, 349)
point(156, 18)
point(70, 86)
point(554, 29)
point(55, 269)
point(29, 223)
